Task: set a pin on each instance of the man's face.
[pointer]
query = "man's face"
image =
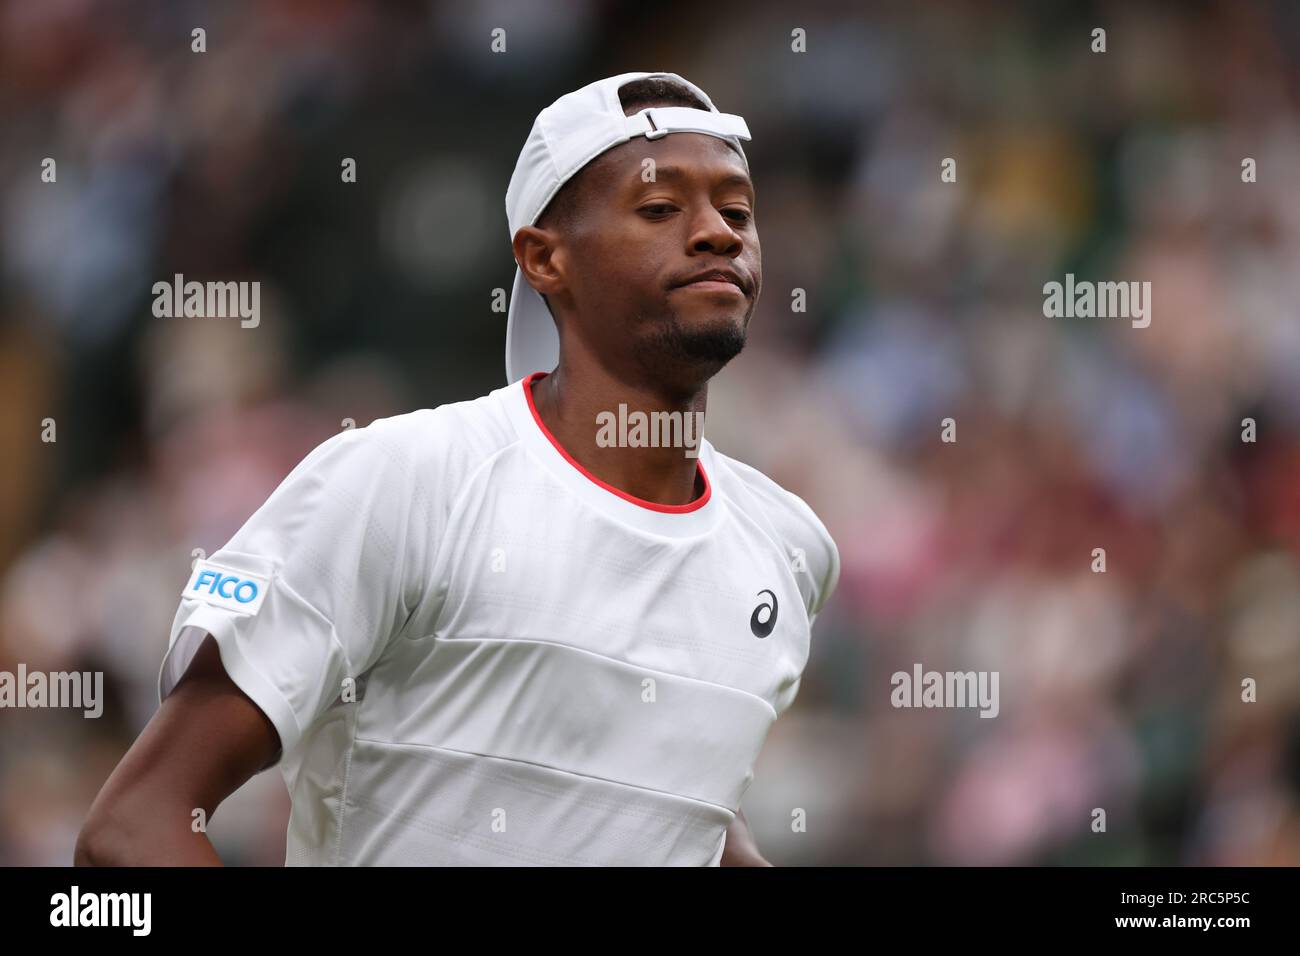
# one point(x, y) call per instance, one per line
point(635, 245)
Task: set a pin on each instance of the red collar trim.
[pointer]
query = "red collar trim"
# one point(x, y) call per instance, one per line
point(641, 502)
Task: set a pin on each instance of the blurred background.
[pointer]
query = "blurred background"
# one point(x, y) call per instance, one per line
point(1119, 690)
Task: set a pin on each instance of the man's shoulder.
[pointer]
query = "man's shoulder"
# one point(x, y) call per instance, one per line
point(428, 452)
point(788, 518)
point(753, 489)
point(455, 432)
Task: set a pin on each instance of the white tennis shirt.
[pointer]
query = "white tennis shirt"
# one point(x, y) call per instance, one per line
point(476, 652)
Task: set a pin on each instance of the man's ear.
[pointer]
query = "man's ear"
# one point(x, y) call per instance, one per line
point(540, 258)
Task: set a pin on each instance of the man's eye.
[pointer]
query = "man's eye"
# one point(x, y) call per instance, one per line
point(739, 215)
point(658, 209)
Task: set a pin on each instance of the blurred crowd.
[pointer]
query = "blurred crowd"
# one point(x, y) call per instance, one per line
point(1121, 690)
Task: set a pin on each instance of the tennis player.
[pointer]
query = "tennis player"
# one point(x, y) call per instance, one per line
point(499, 631)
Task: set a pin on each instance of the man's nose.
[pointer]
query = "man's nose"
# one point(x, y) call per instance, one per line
point(712, 233)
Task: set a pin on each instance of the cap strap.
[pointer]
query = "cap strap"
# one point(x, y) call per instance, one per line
point(656, 121)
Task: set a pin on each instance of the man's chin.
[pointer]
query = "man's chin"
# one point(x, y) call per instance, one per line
point(698, 348)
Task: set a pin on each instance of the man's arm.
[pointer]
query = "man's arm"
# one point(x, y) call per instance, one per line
point(739, 848)
point(204, 742)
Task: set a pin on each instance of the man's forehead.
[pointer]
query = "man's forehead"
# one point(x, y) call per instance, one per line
point(677, 156)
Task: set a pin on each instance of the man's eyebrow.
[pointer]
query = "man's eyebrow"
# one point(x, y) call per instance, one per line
point(678, 173)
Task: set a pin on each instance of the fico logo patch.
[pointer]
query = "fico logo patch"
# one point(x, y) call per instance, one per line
point(226, 587)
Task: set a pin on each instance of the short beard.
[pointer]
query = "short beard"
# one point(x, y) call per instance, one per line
point(671, 348)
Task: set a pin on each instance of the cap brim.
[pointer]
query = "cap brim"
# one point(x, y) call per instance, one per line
point(532, 344)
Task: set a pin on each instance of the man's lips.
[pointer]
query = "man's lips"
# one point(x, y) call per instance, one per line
point(712, 285)
point(715, 280)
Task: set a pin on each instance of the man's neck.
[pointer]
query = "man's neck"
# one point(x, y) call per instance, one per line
point(573, 411)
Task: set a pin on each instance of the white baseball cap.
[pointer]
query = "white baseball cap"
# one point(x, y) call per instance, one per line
point(567, 135)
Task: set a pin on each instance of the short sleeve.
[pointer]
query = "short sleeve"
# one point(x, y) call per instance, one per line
point(816, 568)
point(815, 559)
point(825, 572)
point(315, 584)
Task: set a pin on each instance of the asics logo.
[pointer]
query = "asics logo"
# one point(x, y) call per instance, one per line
point(761, 625)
